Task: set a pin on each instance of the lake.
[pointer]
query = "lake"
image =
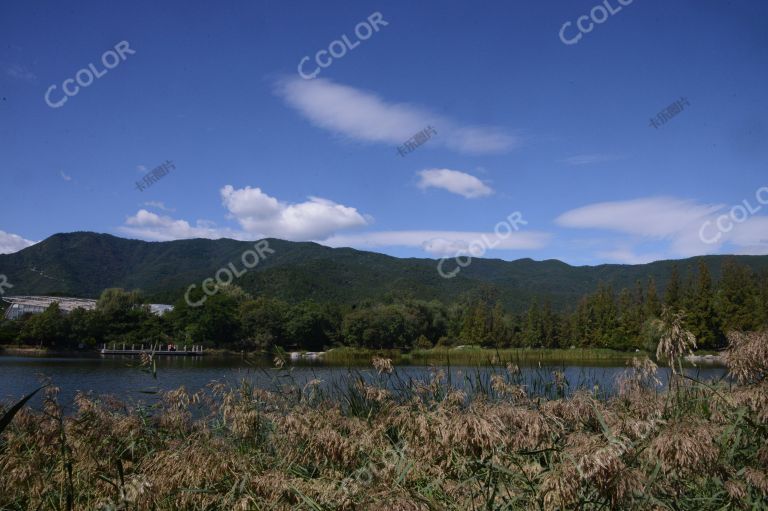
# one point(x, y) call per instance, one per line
point(120, 375)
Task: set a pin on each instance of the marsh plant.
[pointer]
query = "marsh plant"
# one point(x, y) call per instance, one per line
point(676, 342)
point(382, 443)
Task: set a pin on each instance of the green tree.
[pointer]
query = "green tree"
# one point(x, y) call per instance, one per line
point(48, 328)
point(120, 315)
point(702, 319)
point(263, 323)
point(737, 299)
point(652, 303)
point(214, 323)
point(380, 327)
point(673, 295)
point(422, 343)
point(83, 328)
point(309, 325)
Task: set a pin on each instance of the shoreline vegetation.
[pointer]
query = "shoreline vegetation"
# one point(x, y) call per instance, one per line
point(460, 355)
point(231, 319)
point(394, 444)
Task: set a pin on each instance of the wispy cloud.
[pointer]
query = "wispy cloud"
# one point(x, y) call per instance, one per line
point(454, 181)
point(440, 243)
point(675, 223)
point(10, 243)
point(652, 216)
point(20, 73)
point(65, 176)
point(362, 115)
point(590, 159)
point(151, 226)
point(157, 205)
point(626, 255)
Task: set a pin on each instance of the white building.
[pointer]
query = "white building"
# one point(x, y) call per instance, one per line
point(20, 305)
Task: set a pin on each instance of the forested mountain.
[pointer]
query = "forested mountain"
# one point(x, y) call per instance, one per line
point(309, 296)
point(84, 264)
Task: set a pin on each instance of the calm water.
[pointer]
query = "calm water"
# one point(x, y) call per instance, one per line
point(120, 376)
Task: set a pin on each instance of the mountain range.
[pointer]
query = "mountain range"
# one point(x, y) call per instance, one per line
point(82, 264)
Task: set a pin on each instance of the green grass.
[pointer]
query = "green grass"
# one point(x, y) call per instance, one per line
point(475, 355)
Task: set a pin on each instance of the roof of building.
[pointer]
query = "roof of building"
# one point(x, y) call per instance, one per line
point(65, 303)
point(69, 304)
point(159, 308)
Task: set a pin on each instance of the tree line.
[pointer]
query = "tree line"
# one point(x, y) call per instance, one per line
point(622, 319)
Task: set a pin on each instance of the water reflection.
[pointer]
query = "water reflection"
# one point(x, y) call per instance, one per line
point(122, 377)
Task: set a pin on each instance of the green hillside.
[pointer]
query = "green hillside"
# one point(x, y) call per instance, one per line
point(85, 263)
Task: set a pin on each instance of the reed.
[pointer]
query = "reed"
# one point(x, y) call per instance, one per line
point(377, 440)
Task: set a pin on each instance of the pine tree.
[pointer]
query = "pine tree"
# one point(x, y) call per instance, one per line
point(629, 324)
point(549, 326)
point(672, 298)
point(499, 333)
point(702, 318)
point(532, 332)
point(737, 299)
point(475, 328)
point(652, 304)
point(606, 316)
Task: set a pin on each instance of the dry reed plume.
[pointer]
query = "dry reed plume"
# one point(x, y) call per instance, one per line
point(425, 447)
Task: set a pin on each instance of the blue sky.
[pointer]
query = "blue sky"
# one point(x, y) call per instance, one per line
point(523, 122)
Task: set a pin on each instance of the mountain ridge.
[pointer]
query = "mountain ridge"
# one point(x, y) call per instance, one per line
point(83, 263)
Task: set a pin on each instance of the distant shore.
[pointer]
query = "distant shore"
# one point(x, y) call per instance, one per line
point(467, 354)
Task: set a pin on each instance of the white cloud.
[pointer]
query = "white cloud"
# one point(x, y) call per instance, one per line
point(10, 243)
point(657, 217)
point(157, 205)
point(443, 243)
point(64, 176)
point(683, 225)
point(147, 225)
point(21, 73)
point(454, 181)
point(141, 169)
point(259, 216)
point(626, 255)
point(316, 218)
point(362, 115)
point(589, 159)
point(751, 236)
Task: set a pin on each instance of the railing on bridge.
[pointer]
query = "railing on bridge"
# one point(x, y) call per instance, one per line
point(154, 348)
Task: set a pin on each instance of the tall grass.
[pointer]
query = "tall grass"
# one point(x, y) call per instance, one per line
point(473, 355)
point(380, 441)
